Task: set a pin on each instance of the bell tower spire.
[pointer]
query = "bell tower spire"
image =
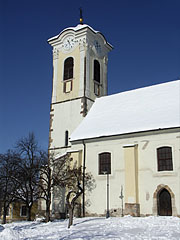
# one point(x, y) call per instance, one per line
point(81, 16)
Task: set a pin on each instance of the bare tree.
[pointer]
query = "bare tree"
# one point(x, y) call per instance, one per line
point(71, 199)
point(75, 190)
point(28, 168)
point(63, 173)
point(8, 172)
point(46, 184)
point(58, 172)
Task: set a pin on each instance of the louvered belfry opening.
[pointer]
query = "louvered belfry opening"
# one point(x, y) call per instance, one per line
point(68, 68)
point(68, 74)
point(97, 78)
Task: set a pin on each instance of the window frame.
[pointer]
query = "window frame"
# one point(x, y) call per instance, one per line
point(22, 211)
point(68, 68)
point(97, 80)
point(97, 71)
point(164, 158)
point(104, 163)
point(68, 81)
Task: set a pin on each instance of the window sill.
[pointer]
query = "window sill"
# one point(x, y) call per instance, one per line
point(165, 174)
point(103, 176)
point(67, 80)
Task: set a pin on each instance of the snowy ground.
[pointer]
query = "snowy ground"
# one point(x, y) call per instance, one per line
point(95, 228)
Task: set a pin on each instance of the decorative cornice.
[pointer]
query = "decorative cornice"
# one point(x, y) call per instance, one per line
point(55, 54)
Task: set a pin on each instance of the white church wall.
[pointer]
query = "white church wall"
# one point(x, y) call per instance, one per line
point(148, 176)
point(66, 118)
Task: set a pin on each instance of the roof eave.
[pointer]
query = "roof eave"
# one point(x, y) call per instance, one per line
point(121, 134)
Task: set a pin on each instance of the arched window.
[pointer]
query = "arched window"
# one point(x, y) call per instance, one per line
point(68, 68)
point(96, 71)
point(66, 138)
point(164, 158)
point(105, 163)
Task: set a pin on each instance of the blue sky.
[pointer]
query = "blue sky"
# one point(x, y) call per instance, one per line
point(145, 35)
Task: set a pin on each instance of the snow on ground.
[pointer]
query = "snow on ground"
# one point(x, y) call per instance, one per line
point(95, 228)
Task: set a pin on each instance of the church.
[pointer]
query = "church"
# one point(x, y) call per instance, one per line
point(129, 142)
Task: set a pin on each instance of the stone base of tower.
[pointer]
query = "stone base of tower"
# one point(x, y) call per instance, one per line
point(132, 209)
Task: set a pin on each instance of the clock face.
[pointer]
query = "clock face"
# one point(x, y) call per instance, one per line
point(68, 43)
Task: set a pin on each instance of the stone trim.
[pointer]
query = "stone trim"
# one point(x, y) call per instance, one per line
point(50, 128)
point(155, 196)
point(132, 209)
point(69, 100)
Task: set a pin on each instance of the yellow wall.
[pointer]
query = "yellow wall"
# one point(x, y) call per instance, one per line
point(15, 209)
point(77, 158)
point(131, 174)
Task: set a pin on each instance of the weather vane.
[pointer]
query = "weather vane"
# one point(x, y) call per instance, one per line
point(81, 17)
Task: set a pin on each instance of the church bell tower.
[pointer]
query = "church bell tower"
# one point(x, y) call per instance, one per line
point(80, 56)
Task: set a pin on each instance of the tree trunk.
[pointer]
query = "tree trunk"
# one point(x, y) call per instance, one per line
point(4, 214)
point(29, 213)
point(48, 203)
point(70, 209)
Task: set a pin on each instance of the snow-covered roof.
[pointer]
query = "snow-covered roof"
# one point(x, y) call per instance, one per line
point(143, 109)
point(77, 28)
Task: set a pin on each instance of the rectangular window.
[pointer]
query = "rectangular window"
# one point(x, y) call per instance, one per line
point(164, 158)
point(23, 211)
point(104, 163)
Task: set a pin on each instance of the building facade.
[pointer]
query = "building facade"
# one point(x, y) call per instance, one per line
point(17, 211)
point(143, 167)
point(130, 142)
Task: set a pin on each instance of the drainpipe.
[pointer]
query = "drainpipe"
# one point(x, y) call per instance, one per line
point(84, 168)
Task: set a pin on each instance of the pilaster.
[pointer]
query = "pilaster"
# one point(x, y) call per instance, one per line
point(82, 50)
point(131, 180)
point(55, 68)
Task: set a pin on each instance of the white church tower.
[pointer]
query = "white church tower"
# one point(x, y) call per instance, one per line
point(80, 56)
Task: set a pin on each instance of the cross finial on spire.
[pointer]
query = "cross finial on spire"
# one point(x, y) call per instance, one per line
point(81, 17)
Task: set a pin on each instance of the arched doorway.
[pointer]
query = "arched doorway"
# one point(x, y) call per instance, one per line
point(164, 203)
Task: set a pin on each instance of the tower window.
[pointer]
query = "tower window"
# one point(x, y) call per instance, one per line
point(96, 78)
point(96, 71)
point(104, 163)
point(66, 138)
point(164, 158)
point(68, 74)
point(68, 68)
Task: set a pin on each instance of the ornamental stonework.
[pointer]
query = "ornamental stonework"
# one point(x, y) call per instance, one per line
point(55, 54)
